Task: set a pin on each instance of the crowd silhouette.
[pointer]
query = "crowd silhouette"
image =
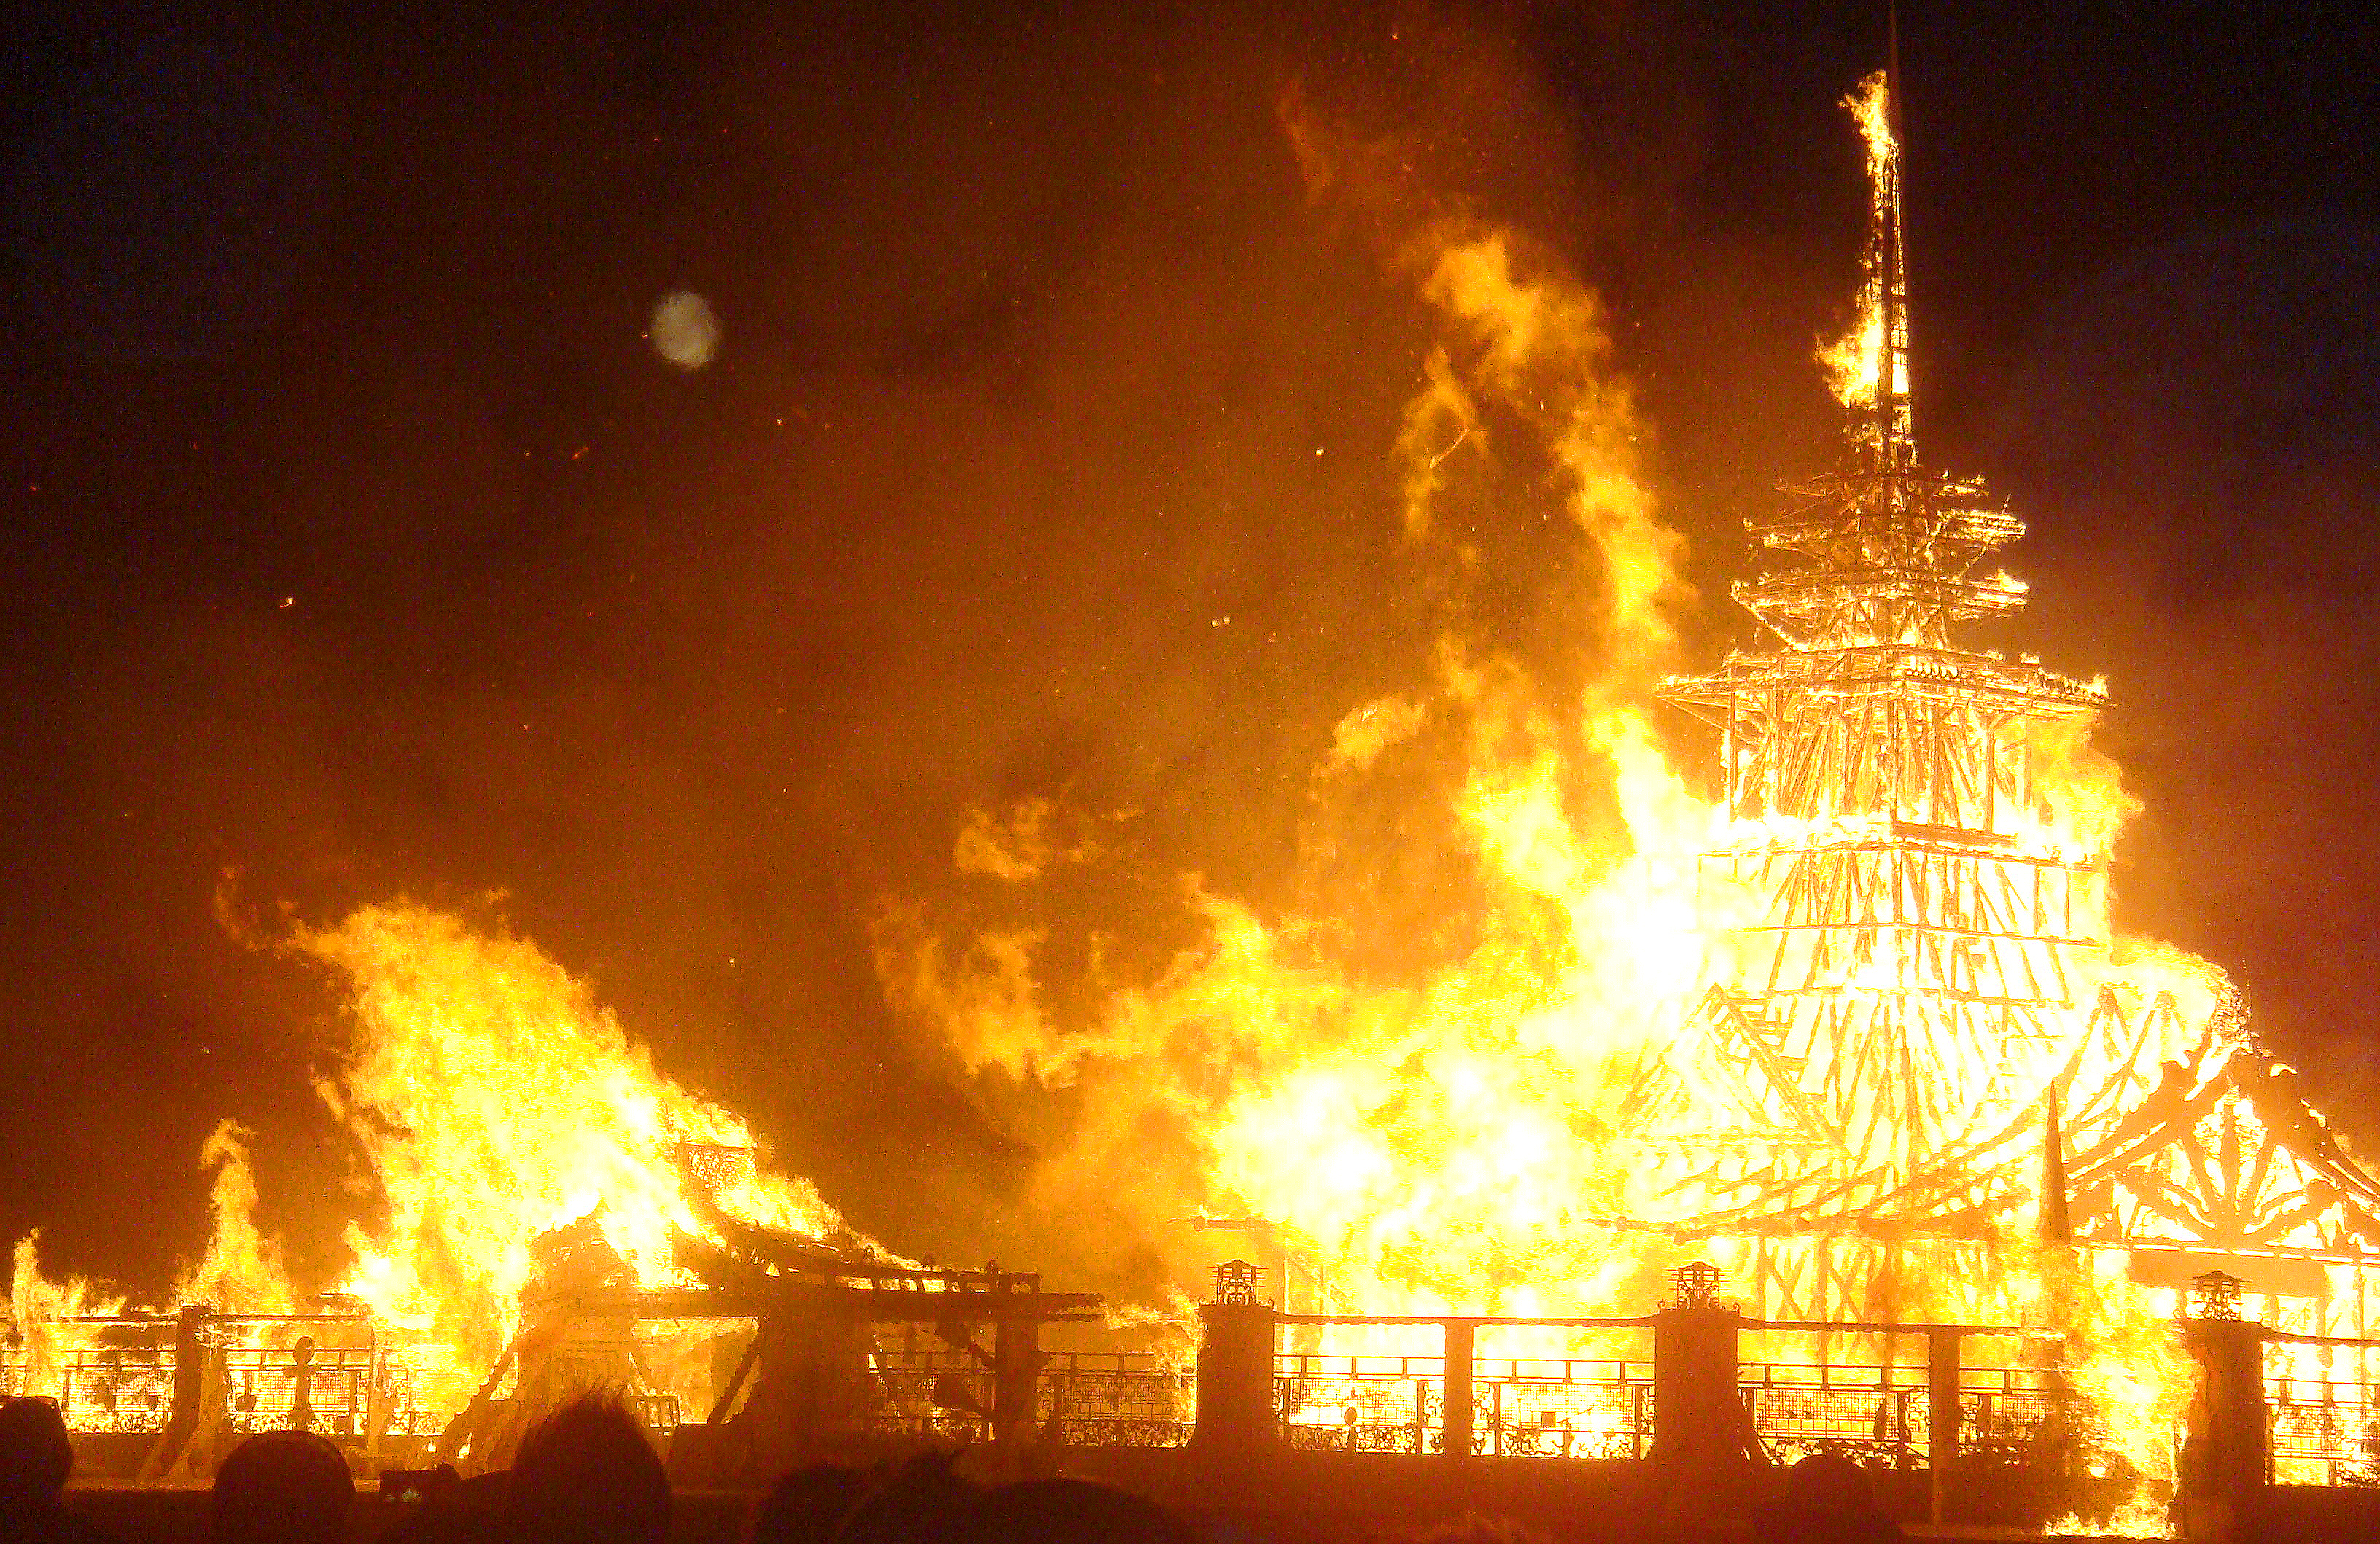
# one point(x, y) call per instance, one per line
point(590, 1475)
point(35, 1461)
point(282, 1487)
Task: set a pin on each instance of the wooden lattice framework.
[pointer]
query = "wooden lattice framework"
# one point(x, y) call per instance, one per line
point(1913, 926)
point(1918, 1042)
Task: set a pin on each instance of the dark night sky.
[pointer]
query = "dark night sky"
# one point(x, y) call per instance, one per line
point(1031, 338)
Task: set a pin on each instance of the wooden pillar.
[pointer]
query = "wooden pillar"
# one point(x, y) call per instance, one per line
point(183, 1413)
point(1016, 1379)
point(1702, 1432)
point(1942, 1353)
point(2226, 1456)
point(809, 1371)
point(376, 1411)
point(1234, 1397)
point(1460, 1385)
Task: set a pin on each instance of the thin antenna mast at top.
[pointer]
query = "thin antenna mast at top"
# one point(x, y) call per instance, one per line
point(1892, 449)
point(1892, 67)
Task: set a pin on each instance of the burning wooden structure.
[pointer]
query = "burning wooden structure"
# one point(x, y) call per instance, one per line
point(1923, 1040)
point(814, 1348)
point(163, 1396)
point(1916, 1055)
point(810, 1349)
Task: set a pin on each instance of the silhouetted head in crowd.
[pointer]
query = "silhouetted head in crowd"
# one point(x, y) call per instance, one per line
point(441, 1509)
point(1074, 1512)
point(921, 1502)
point(588, 1476)
point(35, 1458)
point(808, 1505)
point(282, 1487)
point(444, 1523)
point(1824, 1499)
point(1472, 1527)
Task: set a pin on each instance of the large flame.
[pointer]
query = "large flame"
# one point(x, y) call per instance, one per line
point(495, 1099)
point(491, 1099)
point(1461, 1138)
point(1454, 1135)
point(1854, 361)
point(242, 1269)
point(44, 1312)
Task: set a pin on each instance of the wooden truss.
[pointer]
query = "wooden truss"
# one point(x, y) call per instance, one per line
point(1916, 997)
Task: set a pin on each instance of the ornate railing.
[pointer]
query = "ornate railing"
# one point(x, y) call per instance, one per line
point(1880, 1417)
point(102, 1390)
point(1545, 1408)
point(2025, 1416)
point(262, 1388)
point(417, 1403)
point(115, 1373)
point(1874, 1415)
point(1877, 1415)
point(937, 1394)
point(1357, 1404)
point(2324, 1432)
point(1551, 1407)
point(1082, 1399)
point(1115, 1400)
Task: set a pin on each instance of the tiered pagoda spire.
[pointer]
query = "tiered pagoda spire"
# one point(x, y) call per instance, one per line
point(1907, 967)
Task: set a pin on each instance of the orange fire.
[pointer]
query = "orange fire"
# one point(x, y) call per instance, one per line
point(1461, 1138)
point(1465, 1140)
point(495, 1099)
point(490, 1098)
point(1854, 362)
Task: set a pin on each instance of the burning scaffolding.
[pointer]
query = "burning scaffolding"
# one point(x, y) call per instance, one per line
point(1921, 1089)
point(1915, 908)
point(1924, 1028)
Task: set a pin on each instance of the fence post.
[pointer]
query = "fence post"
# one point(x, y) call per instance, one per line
point(2226, 1456)
point(189, 1387)
point(1234, 1397)
point(1462, 1401)
point(1017, 1362)
point(1702, 1431)
point(1942, 1414)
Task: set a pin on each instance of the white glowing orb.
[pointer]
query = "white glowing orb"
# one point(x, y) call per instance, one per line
point(685, 329)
